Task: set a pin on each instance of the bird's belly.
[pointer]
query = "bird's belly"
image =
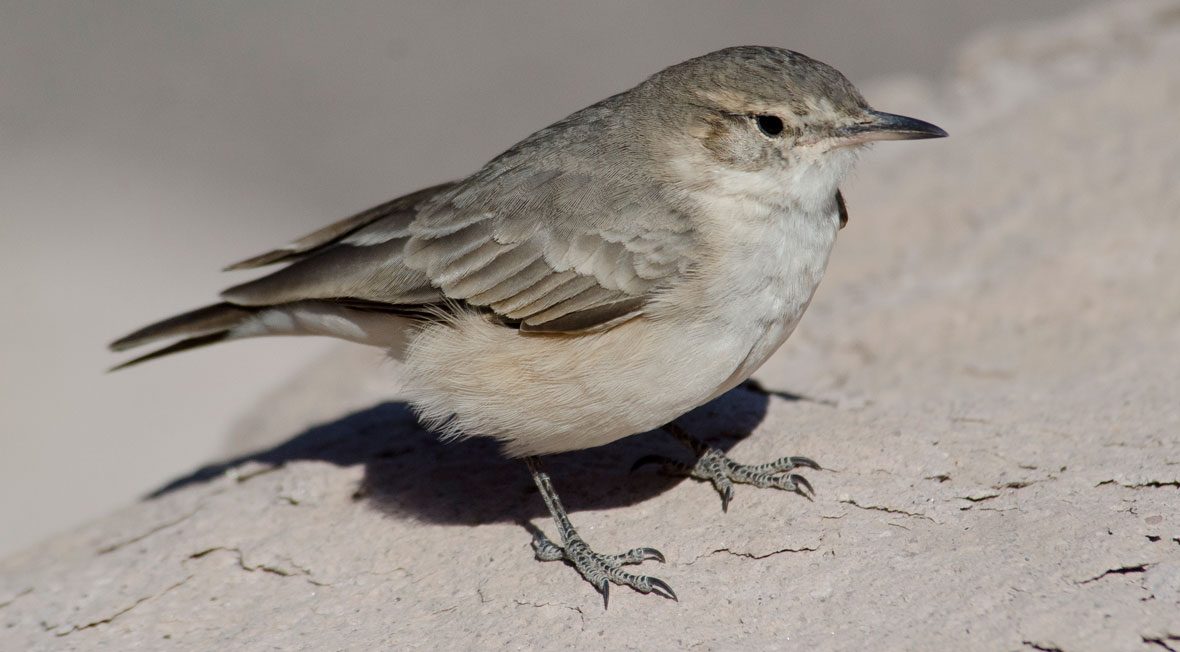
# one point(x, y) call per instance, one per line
point(548, 394)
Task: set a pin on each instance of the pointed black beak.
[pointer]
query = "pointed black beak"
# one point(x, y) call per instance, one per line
point(887, 126)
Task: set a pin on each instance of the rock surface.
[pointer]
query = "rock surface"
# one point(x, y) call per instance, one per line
point(990, 373)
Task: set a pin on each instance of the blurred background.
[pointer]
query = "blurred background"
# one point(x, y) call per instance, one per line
point(143, 145)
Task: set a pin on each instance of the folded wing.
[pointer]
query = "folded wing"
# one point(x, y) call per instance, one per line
point(544, 251)
point(544, 238)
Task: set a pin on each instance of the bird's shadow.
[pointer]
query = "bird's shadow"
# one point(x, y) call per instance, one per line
point(409, 472)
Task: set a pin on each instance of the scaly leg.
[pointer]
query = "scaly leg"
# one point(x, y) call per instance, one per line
point(598, 569)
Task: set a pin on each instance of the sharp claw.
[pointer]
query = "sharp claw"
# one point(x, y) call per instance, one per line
point(808, 462)
point(605, 591)
point(726, 496)
point(661, 588)
point(652, 553)
point(800, 483)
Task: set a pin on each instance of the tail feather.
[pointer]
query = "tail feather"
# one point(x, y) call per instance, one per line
point(198, 327)
point(202, 321)
point(360, 323)
point(182, 345)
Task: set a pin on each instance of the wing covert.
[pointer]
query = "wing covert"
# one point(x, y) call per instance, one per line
point(563, 253)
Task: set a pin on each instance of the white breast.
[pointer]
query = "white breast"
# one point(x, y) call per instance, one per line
point(770, 267)
point(780, 290)
point(773, 285)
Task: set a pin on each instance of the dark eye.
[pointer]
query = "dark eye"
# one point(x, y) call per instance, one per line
point(771, 125)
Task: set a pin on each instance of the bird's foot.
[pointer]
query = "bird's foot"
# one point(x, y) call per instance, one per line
point(601, 570)
point(598, 569)
point(715, 466)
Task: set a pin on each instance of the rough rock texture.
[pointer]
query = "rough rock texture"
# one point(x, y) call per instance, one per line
point(990, 372)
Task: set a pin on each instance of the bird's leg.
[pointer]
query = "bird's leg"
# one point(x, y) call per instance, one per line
point(598, 569)
point(713, 465)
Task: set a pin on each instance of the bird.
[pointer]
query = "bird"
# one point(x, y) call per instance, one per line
point(598, 279)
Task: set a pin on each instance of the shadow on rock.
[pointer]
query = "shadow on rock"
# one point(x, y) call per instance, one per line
point(409, 472)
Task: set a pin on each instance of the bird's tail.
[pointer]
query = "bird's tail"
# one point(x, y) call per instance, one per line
point(199, 327)
point(220, 322)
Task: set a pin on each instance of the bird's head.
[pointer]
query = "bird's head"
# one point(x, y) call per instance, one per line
point(763, 109)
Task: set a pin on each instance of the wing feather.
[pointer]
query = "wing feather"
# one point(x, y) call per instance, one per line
point(510, 261)
point(514, 285)
point(402, 206)
point(544, 239)
point(563, 292)
point(519, 304)
point(374, 273)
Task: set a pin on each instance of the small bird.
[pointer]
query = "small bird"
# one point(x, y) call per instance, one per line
point(598, 279)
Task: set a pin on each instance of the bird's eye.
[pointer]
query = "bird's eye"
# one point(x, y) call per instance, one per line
point(771, 125)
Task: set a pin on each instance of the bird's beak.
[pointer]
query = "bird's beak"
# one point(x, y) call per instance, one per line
point(887, 126)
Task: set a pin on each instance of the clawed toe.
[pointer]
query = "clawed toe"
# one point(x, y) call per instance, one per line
point(726, 491)
point(782, 465)
point(546, 550)
point(799, 460)
point(661, 588)
point(715, 467)
point(799, 485)
point(652, 554)
point(646, 584)
point(639, 555)
point(601, 570)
